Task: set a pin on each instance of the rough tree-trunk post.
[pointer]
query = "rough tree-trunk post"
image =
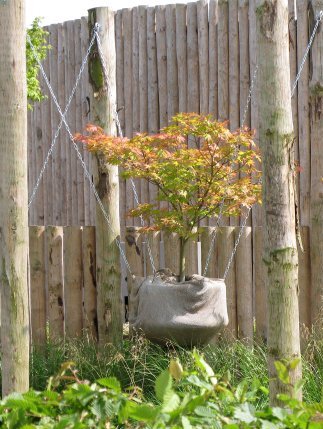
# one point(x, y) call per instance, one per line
point(276, 140)
point(106, 178)
point(316, 126)
point(13, 199)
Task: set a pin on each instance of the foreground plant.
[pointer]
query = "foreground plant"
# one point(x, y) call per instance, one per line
point(183, 399)
point(210, 177)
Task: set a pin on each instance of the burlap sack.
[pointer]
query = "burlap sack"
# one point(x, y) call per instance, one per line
point(189, 313)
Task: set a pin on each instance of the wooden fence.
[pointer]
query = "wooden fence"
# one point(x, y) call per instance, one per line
point(63, 283)
point(197, 57)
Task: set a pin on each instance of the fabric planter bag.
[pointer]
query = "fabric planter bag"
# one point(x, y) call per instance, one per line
point(188, 313)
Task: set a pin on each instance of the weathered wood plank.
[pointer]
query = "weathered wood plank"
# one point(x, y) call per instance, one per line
point(260, 288)
point(161, 64)
point(203, 51)
point(55, 281)
point(73, 281)
point(213, 58)
point(90, 318)
point(193, 95)
point(37, 284)
point(172, 77)
point(206, 243)
point(181, 48)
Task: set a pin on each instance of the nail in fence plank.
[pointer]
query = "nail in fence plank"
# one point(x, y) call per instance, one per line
point(121, 112)
point(303, 114)
point(127, 63)
point(225, 245)
point(73, 280)
point(37, 284)
point(153, 111)
point(244, 285)
point(304, 279)
point(193, 95)
point(181, 55)
point(172, 78)
point(55, 281)
point(90, 319)
point(203, 52)
point(161, 64)
point(206, 243)
point(260, 288)
point(80, 219)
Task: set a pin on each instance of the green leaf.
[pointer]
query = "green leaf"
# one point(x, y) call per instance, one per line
point(245, 413)
point(282, 372)
point(171, 402)
point(163, 384)
point(111, 383)
point(204, 411)
point(186, 423)
point(144, 412)
point(280, 413)
point(265, 424)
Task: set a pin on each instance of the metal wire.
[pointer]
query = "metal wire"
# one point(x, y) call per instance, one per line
point(87, 173)
point(119, 129)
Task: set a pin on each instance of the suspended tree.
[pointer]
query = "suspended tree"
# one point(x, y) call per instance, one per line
point(277, 141)
point(13, 198)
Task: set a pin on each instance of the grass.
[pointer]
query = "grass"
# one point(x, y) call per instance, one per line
point(138, 363)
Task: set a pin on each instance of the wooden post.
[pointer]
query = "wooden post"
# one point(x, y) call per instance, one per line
point(277, 140)
point(108, 268)
point(13, 199)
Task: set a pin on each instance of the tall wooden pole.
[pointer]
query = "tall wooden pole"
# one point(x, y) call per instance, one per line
point(276, 140)
point(108, 274)
point(13, 198)
point(316, 127)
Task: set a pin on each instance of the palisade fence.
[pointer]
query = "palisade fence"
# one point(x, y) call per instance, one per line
point(199, 57)
point(63, 285)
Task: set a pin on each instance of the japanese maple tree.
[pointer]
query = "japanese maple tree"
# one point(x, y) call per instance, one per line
point(215, 173)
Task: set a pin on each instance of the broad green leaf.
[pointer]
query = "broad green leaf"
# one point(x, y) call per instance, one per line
point(110, 382)
point(171, 402)
point(144, 412)
point(282, 372)
point(245, 413)
point(163, 384)
point(186, 423)
point(280, 413)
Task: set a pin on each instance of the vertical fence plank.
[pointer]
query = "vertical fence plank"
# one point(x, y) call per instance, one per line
point(303, 114)
point(88, 198)
point(181, 56)
point(203, 51)
point(53, 30)
point(225, 246)
point(78, 125)
point(208, 244)
point(37, 283)
point(153, 111)
point(171, 250)
point(172, 77)
point(47, 141)
point(120, 109)
point(73, 280)
point(304, 279)
point(193, 95)
point(32, 162)
point(191, 257)
point(154, 243)
point(62, 154)
point(161, 64)
point(253, 60)
point(213, 57)
point(244, 285)
point(244, 66)
point(143, 89)
point(55, 281)
point(127, 63)
point(260, 289)
point(39, 148)
point(90, 320)
point(30, 151)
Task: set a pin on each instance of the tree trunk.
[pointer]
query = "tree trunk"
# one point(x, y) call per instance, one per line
point(13, 199)
point(182, 259)
point(276, 137)
point(316, 127)
point(108, 274)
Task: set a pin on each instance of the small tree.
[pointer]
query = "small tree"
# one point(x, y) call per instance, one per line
point(197, 183)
